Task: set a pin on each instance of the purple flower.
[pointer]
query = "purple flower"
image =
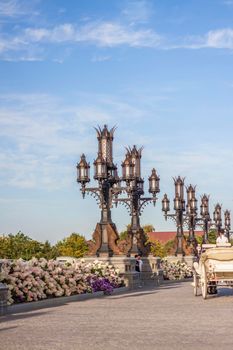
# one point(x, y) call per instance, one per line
point(102, 284)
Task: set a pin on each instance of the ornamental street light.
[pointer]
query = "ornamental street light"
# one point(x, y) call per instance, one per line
point(105, 172)
point(217, 222)
point(186, 214)
point(178, 216)
point(135, 202)
point(109, 188)
point(191, 213)
point(227, 216)
point(217, 215)
point(205, 217)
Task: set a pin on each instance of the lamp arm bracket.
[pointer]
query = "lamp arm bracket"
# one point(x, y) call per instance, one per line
point(123, 201)
point(95, 193)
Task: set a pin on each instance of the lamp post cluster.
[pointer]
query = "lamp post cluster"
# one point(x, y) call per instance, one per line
point(188, 215)
point(109, 189)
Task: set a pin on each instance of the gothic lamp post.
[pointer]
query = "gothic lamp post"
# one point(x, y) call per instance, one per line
point(183, 214)
point(105, 172)
point(218, 217)
point(135, 202)
point(218, 220)
point(191, 213)
point(227, 216)
point(178, 216)
point(205, 217)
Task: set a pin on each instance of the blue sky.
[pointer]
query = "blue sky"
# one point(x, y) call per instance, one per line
point(161, 70)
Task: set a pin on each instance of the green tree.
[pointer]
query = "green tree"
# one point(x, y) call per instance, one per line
point(75, 245)
point(169, 247)
point(48, 251)
point(148, 228)
point(19, 246)
point(212, 236)
point(123, 234)
point(157, 249)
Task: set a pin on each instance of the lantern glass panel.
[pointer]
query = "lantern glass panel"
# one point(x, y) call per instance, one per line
point(177, 203)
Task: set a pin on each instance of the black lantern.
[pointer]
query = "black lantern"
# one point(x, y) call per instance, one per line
point(204, 207)
point(193, 204)
point(179, 187)
point(165, 204)
point(190, 193)
point(218, 214)
point(100, 168)
point(177, 203)
point(154, 182)
point(136, 155)
point(127, 168)
point(83, 167)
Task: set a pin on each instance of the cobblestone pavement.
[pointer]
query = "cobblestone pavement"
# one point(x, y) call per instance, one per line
point(169, 317)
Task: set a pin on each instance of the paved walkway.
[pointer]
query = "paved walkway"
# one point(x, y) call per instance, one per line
point(169, 317)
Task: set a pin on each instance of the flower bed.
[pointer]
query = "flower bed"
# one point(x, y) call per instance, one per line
point(40, 279)
point(175, 270)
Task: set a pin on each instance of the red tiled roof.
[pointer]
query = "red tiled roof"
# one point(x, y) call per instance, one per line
point(165, 236)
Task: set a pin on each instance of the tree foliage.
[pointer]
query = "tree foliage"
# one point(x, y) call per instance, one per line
point(75, 245)
point(21, 246)
point(212, 236)
point(148, 228)
point(158, 249)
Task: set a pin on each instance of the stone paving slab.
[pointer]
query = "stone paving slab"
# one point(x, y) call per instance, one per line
point(168, 317)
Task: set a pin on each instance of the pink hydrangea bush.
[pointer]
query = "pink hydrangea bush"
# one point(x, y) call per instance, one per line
point(40, 278)
point(175, 270)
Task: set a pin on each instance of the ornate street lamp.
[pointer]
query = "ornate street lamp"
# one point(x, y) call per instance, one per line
point(131, 175)
point(227, 216)
point(178, 216)
point(191, 214)
point(185, 215)
point(105, 172)
point(205, 217)
point(217, 215)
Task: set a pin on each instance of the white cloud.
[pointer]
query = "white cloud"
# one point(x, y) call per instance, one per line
point(45, 136)
point(10, 8)
point(17, 8)
point(31, 43)
point(214, 39)
point(137, 11)
point(61, 33)
point(98, 58)
point(221, 39)
point(102, 34)
point(114, 34)
point(228, 2)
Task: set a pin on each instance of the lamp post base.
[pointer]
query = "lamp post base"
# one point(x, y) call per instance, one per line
point(104, 241)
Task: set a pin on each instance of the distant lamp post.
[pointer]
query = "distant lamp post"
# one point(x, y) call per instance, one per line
point(135, 203)
point(191, 214)
point(227, 216)
point(178, 216)
point(205, 217)
point(187, 215)
point(217, 215)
